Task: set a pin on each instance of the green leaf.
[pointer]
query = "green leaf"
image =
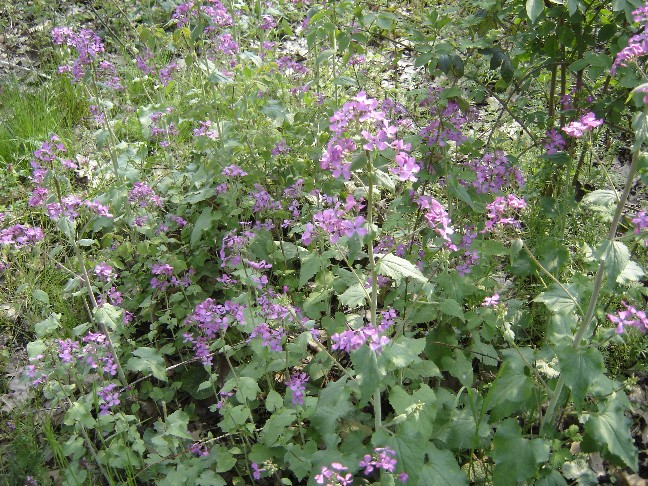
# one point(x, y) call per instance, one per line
point(333, 404)
point(608, 430)
point(580, 367)
point(516, 458)
point(311, 263)
point(148, 360)
point(451, 307)
point(277, 112)
point(41, 296)
point(534, 8)
point(414, 413)
point(557, 300)
point(399, 268)
point(273, 401)
point(512, 391)
point(602, 201)
point(403, 351)
point(276, 425)
point(616, 256)
point(640, 127)
point(365, 363)
point(354, 296)
point(204, 223)
point(410, 452)
point(460, 367)
point(441, 469)
point(300, 459)
point(50, 324)
point(176, 425)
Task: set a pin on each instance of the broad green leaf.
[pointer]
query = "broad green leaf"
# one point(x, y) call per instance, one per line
point(458, 429)
point(276, 425)
point(512, 391)
point(176, 424)
point(41, 296)
point(50, 324)
point(608, 430)
point(310, 265)
point(602, 201)
point(451, 307)
point(354, 296)
point(148, 360)
point(631, 273)
point(554, 478)
point(460, 367)
point(559, 301)
point(277, 112)
point(246, 389)
point(300, 459)
point(414, 413)
point(109, 316)
point(203, 223)
point(410, 452)
point(441, 469)
point(399, 268)
point(333, 404)
point(365, 363)
point(516, 458)
point(273, 401)
point(616, 256)
point(210, 478)
point(640, 127)
point(80, 413)
point(403, 351)
point(534, 8)
point(580, 367)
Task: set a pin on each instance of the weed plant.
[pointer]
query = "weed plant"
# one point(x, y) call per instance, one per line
point(242, 252)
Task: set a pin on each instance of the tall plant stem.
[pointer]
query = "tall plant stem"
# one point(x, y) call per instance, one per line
point(374, 279)
point(598, 283)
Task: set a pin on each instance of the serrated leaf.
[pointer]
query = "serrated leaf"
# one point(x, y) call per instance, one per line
point(534, 8)
point(512, 391)
point(310, 265)
point(202, 224)
point(609, 430)
point(354, 296)
point(176, 424)
point(365, 363)
point(441, 469)
point(559, 301)
point(516, 458)
point(276, 425)
point(273, 401)
point(631, 273)
point(459, 366)
point(41, 296)
point(333, 404)
point(403, 351)
point(398, 268)
point(580, 367)
point(616, 256)
point(277, 112)
point(50, 324)
point(148, 360)
point(451, 307)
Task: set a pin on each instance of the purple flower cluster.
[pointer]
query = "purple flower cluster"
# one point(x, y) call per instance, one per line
point(199, 449)
point(333, 475)
point(287, 65)
point(256, 471)
point(211, 319)
point(105, 272)
point(637, 44)
point(382, 458)
point(109, 397)
point(144, 196)
point(500, 209)
point(213, 10)
point(206, 130)
point(447, 121)
point(494, 172)
point(641, 223)
point(363, 115)
point(280, 148)
point(580, 127)
point(232, 246)
point(87, 44)
point(629, 317)
point(297, 385)
point(352, 339)
point(20, 235)
point(270, 337)
point(161, 129)
point(164, 278)
point(93, 354)
point(554, 143)
point(437, 218)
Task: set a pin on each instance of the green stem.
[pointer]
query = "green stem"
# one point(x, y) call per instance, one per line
point(598, 283)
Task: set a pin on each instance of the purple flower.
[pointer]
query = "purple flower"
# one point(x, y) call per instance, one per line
point(585, 124)
point(198, 449)
point(233, 171)
point(109, 398)
point(144, 196)
point(334, 475)
point(629, 317)
point(297, 385)
point(104, 272)
point(256, 472)
point(554, 143)
point(491, 301)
